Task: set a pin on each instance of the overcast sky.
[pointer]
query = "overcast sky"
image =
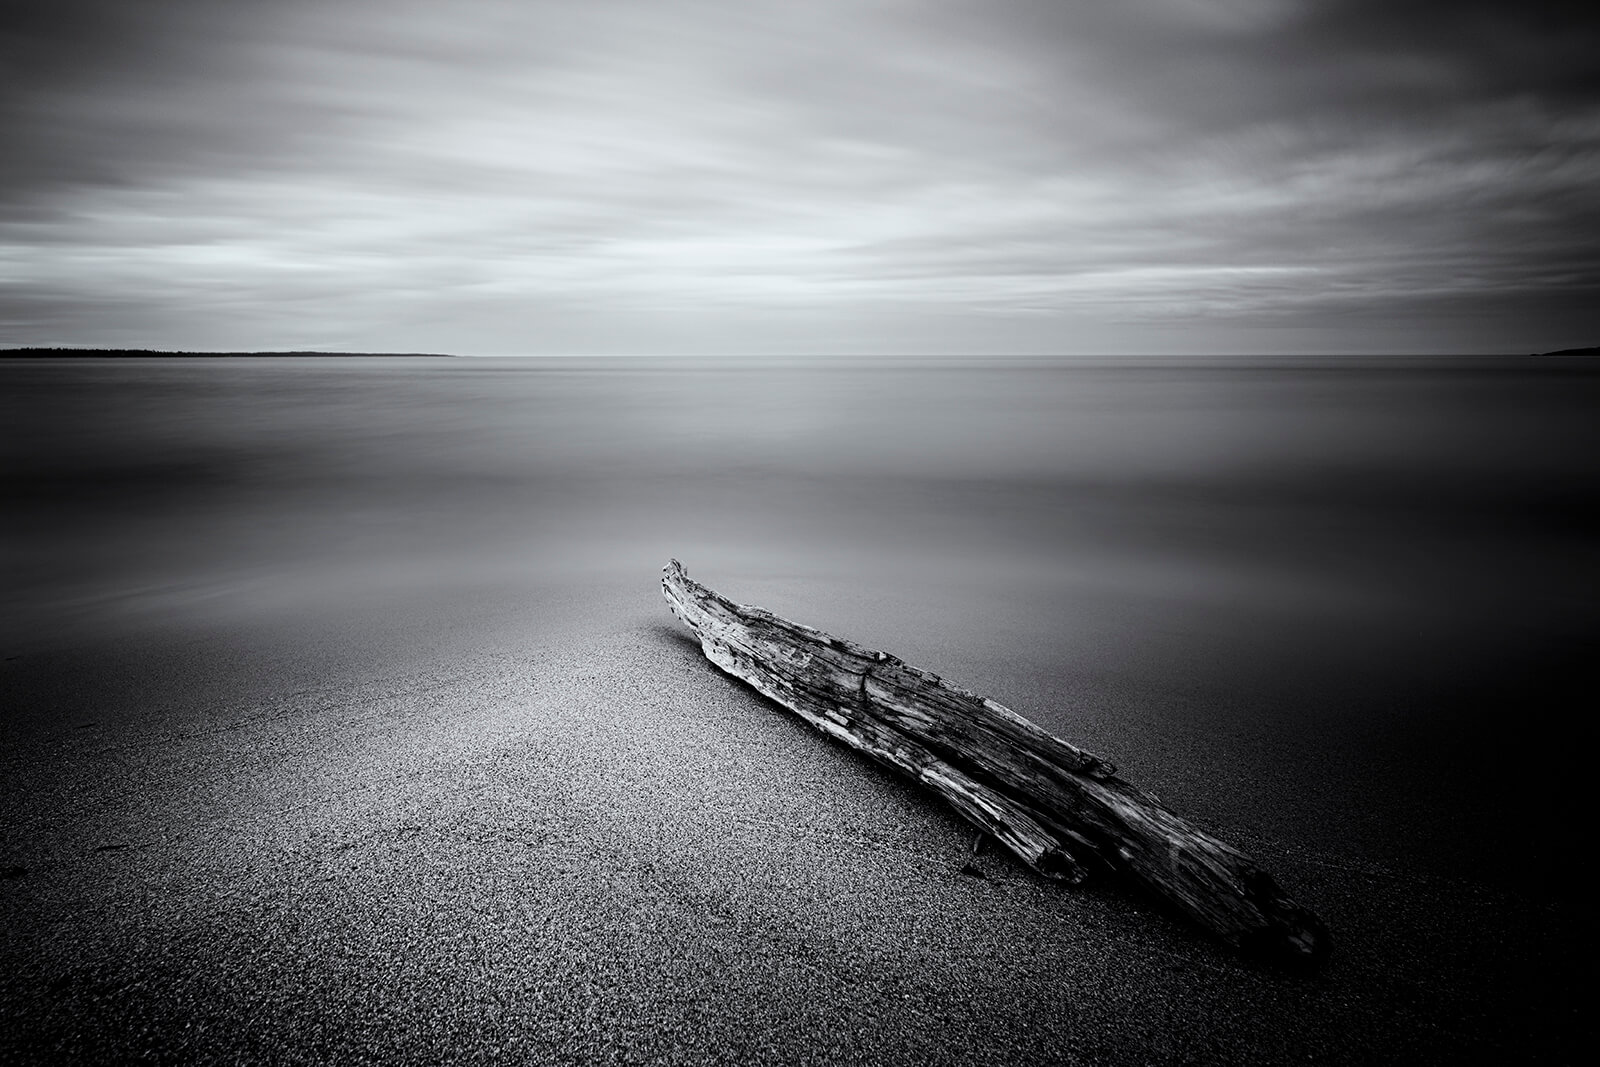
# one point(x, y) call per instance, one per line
point(1011, 176)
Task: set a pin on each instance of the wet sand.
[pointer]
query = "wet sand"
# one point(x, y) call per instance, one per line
point(541, 828)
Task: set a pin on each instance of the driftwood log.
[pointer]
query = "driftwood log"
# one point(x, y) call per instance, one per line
point(1061, 810)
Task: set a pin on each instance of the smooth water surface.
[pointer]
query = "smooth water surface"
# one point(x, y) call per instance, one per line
point(1270, 567)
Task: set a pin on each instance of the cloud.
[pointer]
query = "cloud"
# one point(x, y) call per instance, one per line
point(639, 176)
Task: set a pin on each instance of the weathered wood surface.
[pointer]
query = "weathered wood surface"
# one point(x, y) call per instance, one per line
point(1061, 810)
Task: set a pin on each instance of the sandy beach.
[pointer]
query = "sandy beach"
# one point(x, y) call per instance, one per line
point(344, 720)
point(564, 837)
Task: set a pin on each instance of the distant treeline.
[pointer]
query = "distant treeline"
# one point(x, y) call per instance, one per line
point(157, 353)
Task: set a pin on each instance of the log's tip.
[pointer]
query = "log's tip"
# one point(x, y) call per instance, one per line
point(1301, 946)
point(1291, 936)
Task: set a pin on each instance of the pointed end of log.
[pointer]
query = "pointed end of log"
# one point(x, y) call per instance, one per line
point(1291, 936)
point(1302, 947)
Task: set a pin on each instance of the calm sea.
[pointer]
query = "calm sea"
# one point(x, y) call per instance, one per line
point(1396, 557)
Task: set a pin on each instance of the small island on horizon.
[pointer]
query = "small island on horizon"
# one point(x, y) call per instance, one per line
point(1595, 351)
point(153, 353)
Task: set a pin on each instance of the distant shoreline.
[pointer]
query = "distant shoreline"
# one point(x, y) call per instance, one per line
point(151, 353)
point(40, 352)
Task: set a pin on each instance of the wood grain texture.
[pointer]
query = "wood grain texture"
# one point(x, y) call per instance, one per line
point(1062, 811)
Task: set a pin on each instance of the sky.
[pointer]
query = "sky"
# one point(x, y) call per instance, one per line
point(811, 176)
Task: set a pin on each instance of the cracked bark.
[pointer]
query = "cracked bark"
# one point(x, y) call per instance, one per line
point(1062, 811)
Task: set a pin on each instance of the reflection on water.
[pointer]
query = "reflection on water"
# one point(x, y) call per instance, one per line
point(1374, 538)
point(1383, 484)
